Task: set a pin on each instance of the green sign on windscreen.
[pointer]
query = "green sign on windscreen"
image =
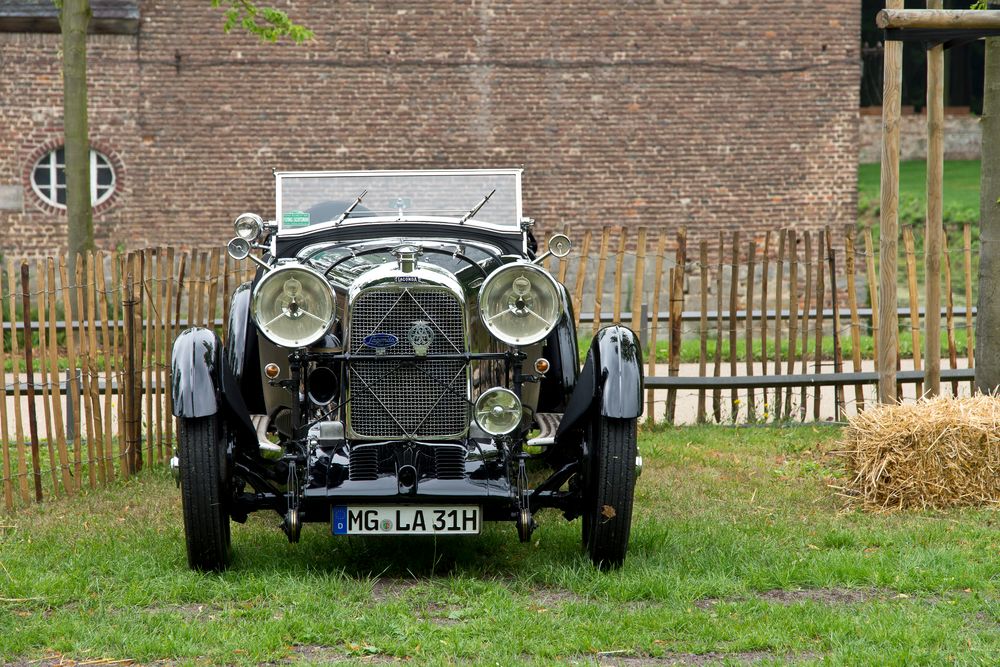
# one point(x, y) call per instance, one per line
point(295, 219)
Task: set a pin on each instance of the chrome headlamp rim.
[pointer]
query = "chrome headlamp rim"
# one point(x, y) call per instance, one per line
point(493, 277)
point(277, 272)
point(252, 225)
point(486, 394)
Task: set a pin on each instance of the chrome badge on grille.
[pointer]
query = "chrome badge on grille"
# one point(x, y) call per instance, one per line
point(421, 336)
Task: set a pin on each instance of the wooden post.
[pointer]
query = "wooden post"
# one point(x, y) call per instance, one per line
point(57, 413)
point(872, 286)
point(638, 324)
point(793, 313)
point(93, 372)
point(703, 325)
point(29, 362)
point(8, 479)
point(804, 322)
point(676, 311)
point(73, 400)
point(778, 303)
point(950, 316)
point(748, 336)
point(133, 450)
point(889, 216)
point(43, 369)
point(734, 281)
point(717, 393)
point(619, 271)
point(852, 302)
point(563, 265)
point(838, 359)
point(106, 343)
point(914, 294)
point(969, 329)
point(581, 277)
point(934, 231)
point(22, 466)
point(602, 263)
point(655, 325)
point(763, 317)
point(147, 338)
point(168, 415)
point(820, 301)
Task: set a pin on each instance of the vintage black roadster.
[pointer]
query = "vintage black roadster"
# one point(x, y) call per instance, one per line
point(402, 364)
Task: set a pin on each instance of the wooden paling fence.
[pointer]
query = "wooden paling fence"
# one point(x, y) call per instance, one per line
point(85, 353)
point(85, 362)
point(804, 302)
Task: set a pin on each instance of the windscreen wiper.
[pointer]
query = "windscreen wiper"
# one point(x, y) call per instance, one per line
point(347, 211)
point(475, 209)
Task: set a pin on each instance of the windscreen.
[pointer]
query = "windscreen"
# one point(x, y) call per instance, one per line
point(310, 199)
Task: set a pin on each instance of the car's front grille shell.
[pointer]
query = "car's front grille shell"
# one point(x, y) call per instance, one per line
point(394, 397)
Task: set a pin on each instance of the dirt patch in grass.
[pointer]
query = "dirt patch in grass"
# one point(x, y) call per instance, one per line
point(710, 658)
point(331, 655)
point(189, 610)
point(57, 660)
point(385, 589)
point(831, 596)
point(548, 597)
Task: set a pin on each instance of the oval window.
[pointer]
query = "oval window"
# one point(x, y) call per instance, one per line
point(48, 178)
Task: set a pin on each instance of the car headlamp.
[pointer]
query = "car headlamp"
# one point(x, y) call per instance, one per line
point(293, 305)
point(520, 303)
point(248, 226)
point(498, 411)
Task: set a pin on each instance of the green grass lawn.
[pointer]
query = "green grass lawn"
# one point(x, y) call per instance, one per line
point(961, 190)
point(741, 551)
point(960, 206)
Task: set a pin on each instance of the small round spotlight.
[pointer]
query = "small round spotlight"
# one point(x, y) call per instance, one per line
point(560, 245)
point(238, 248)
point(542, 365)
point(249, 226)
point(272, 371)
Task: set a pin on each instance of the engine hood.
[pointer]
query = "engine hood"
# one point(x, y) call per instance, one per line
point(459, 266)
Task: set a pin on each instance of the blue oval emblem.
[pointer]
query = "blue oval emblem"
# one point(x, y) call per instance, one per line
point(380, 341)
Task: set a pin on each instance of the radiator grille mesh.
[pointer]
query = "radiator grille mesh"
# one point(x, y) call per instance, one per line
point(396, 398)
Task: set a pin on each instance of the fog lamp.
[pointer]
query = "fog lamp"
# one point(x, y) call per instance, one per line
point(498, 411)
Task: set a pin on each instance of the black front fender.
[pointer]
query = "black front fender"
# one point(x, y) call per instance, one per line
point(195, 373)
point(611, 379)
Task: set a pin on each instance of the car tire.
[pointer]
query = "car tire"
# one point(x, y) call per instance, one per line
point(607, 517)
point(204, 496)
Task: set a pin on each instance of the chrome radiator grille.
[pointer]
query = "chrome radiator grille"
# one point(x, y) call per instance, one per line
point(393, 397)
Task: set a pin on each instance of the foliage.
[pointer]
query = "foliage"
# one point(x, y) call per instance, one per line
point(267, 23)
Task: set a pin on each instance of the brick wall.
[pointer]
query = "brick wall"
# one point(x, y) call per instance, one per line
point(714, 116)
point(963, 136)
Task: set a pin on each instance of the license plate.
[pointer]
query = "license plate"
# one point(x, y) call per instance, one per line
point(406, 520)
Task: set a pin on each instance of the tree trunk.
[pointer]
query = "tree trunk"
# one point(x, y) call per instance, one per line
point(988, 315)
point(74, 16)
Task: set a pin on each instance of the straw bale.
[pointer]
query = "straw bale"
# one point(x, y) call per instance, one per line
point(934, 453)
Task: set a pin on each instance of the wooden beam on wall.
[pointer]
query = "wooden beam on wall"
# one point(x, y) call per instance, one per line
point(894, 16)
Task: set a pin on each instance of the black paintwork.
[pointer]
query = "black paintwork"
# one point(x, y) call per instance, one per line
point(563, 356)
point(611, 375)
point(195, 366)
